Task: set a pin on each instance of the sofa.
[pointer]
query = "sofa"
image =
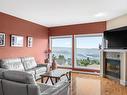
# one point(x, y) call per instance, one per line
point(22, 83)
point(25, 64)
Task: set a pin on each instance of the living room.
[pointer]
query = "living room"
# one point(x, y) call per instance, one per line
point(65, 47)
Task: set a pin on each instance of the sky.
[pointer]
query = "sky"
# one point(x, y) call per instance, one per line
point(81, 42)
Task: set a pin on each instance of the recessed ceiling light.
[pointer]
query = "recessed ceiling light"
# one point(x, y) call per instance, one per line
point(100, 14)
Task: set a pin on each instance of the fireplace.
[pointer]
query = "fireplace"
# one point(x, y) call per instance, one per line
point(112, 68)
point(114, 64)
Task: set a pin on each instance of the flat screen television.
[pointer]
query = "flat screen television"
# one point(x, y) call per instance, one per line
point(116, 38)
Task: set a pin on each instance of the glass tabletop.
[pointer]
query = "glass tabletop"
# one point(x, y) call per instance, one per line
point(56, 73)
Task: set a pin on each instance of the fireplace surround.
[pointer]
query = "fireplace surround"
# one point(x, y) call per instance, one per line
point(114, 64)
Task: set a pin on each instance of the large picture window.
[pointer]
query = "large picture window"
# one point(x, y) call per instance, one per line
point(62, 50)
point(87, 51)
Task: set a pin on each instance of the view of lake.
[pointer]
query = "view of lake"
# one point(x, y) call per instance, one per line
point(81, 53)
point(88, 58)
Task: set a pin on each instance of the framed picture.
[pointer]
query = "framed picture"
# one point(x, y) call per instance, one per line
point(16, 41)
point(29, 42)
point(2, 39)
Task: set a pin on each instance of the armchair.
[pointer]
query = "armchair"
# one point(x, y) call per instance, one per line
point(22, 83)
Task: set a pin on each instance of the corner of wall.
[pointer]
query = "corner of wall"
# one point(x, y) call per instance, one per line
point(117, 22)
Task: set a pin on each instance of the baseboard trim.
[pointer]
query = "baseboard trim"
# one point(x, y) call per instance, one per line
point(123, 82)
point(91, 73)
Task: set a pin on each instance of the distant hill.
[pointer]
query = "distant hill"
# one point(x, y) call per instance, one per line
point(81, 52)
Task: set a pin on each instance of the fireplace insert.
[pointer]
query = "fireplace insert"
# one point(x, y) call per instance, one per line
point(113, 68)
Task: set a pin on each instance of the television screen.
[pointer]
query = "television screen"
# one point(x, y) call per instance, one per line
point(117, 38)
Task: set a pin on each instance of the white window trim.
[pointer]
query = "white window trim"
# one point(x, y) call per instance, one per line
point(86, 35)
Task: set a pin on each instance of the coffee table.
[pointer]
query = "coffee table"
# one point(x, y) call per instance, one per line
point(56, 74)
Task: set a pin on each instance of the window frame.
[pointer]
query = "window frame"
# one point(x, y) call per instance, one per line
point(75, 50)
point(50, 45)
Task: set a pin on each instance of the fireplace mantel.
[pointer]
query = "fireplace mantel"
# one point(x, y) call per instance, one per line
point(123, 63)
point(114, 50)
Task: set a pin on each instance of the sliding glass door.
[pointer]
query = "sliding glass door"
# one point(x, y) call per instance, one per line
point(62, 50)
point(87, 51)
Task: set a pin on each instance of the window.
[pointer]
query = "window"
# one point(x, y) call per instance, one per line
point(62, 50)
point(87, 51)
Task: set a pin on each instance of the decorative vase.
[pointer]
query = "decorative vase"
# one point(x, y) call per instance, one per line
point(48, 67)
point(54, 64)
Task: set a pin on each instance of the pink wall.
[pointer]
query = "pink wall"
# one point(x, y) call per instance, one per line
point(12, 25)
point(87, 28)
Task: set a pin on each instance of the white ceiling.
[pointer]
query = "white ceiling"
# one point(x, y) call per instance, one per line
point(52, 13)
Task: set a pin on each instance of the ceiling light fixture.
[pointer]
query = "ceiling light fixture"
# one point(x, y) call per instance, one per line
point(100, 15)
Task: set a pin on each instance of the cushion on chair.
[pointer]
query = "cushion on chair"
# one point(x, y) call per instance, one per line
point(44, 87)
point(19, 76)
point(12, 64)
point(28, 62)
point(31, 72)
point(33, 90)
point(40, 70)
